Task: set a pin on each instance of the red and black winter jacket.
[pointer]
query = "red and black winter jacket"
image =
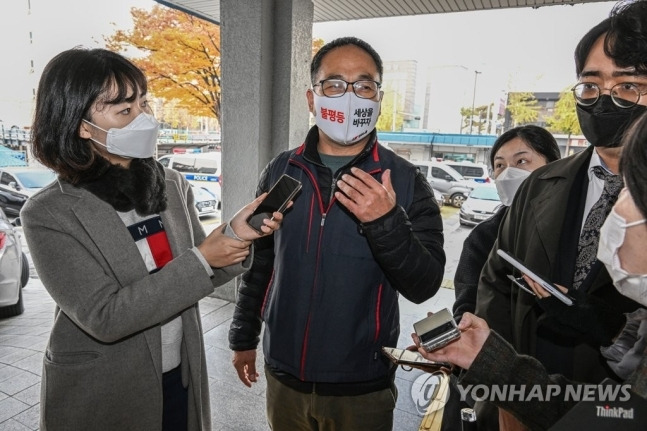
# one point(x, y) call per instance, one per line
point(325, 284)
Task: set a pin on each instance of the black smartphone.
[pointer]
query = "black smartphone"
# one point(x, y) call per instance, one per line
point(277, 199)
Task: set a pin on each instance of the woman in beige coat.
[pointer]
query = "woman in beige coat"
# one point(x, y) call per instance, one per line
point(118, 245)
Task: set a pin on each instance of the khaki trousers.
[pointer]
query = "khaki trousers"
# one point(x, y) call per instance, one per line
point(290, 410)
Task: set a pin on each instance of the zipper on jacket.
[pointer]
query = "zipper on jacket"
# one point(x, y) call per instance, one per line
point(332, 191)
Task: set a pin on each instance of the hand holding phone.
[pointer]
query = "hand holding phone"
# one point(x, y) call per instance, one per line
point(276, 200)
point(414, 359)
point(548, 286)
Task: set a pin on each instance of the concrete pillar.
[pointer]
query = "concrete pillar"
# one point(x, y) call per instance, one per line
point(266, 50)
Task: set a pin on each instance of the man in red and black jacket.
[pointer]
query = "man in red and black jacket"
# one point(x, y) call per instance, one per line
point(364, 228)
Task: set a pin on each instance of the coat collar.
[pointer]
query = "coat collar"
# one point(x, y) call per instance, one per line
point(311, 153)
point(549, 206)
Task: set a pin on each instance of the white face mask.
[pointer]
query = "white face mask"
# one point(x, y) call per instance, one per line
point(137, 140)
point(346, 119)
point(508, 182)
point(612, 235)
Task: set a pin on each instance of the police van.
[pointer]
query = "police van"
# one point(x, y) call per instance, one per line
point(201, 169)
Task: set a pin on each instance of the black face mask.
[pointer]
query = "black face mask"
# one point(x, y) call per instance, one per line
point(604, 123)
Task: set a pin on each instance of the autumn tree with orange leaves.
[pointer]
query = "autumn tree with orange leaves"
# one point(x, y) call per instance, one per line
point(180, 55)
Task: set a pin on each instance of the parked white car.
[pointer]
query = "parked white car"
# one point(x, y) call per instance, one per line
point(206, 202)
point(472, 171)
point(480, 205)
point(14, 269)
point(17, 184)
point(446, 180)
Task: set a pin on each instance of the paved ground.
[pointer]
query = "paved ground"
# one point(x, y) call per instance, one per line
point(234, 406)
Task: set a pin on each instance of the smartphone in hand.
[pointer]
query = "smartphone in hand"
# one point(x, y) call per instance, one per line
point(547, 285)
point(437, 330)
point(277, 199)
point(414, 359)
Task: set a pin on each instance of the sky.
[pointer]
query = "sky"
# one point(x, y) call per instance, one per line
point(521, 49)
point(514, 49)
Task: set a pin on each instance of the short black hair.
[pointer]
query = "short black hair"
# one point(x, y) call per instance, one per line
point(537, 138)
point(344, 41)
point(633, 162)
point(625, 37)
point(626, 40)
point(583, 48)
point(70, 84)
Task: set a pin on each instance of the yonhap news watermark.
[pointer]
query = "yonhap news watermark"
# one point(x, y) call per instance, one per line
point(428, 387)
point(527, 393)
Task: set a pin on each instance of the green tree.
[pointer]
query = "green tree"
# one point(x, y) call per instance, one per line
point(564, 118)
point(522, 107)
point(388, 110)
point(478, 118)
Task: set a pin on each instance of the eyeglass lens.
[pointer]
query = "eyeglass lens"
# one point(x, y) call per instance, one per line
point(623, 95)
point(337, 87)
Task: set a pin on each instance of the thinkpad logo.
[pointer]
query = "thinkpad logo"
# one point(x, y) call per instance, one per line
point(614, 412)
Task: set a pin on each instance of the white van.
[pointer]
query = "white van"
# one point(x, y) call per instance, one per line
point(201, 169)
point(446, 180)
point(472, 171)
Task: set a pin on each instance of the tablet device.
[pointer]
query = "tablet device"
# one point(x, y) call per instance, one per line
point(277, 199)
point(550, 287)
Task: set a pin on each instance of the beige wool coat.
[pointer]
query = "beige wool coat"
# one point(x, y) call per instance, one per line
point(103, 364)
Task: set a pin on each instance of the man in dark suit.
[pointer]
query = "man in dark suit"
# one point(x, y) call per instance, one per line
point(553, 223)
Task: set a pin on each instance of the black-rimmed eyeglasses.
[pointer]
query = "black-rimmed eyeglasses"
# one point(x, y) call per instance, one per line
point(623, 95)
point(364, 88)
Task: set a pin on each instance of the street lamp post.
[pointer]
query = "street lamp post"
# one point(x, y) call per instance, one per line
point(476, 74)
point(395, 111)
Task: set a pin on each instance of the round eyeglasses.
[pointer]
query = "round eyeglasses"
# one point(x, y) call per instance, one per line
point(623, 95)
point(364, 88)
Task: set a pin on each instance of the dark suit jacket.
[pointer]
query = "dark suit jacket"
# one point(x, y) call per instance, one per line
point(476, 249)
point(532, 231)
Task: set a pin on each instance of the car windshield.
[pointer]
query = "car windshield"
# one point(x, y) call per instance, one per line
point(36, 179)
point(485, 193)
point(202, 194)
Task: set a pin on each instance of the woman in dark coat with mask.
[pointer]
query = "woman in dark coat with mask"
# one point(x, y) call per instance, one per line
point(514, 155)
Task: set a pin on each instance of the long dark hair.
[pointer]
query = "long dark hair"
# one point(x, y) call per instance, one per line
point(70, 84)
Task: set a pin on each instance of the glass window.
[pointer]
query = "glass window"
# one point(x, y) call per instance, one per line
point(6, 179)
point(438, 173)
point(36, 179)
point(485, 193)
